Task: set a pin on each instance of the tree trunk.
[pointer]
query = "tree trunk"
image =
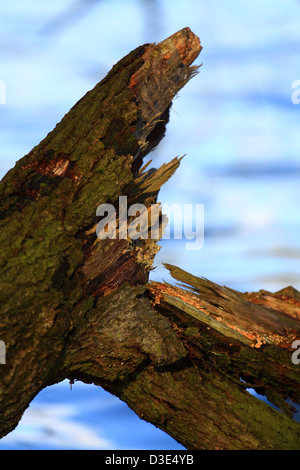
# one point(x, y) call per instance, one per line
point(74, 306)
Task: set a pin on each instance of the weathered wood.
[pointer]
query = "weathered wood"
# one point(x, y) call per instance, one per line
point(242, 338)
point(53, 267)
point(74, 306)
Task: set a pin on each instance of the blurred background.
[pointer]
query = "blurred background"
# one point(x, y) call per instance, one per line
point(235, 122)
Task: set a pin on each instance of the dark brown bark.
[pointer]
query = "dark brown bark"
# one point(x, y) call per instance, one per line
point(74, 306)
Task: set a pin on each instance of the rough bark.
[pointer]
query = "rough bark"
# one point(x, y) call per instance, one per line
point(74, 306)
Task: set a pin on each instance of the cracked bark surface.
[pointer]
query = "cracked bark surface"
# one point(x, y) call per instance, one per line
point(73, 306)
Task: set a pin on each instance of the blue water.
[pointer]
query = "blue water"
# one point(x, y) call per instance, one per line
point(235, 122)
point(85, 417)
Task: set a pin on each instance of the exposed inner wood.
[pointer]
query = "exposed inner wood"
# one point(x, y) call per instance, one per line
point(74, 306)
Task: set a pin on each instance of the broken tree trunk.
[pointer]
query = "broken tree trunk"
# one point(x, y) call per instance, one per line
point(74, 306)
